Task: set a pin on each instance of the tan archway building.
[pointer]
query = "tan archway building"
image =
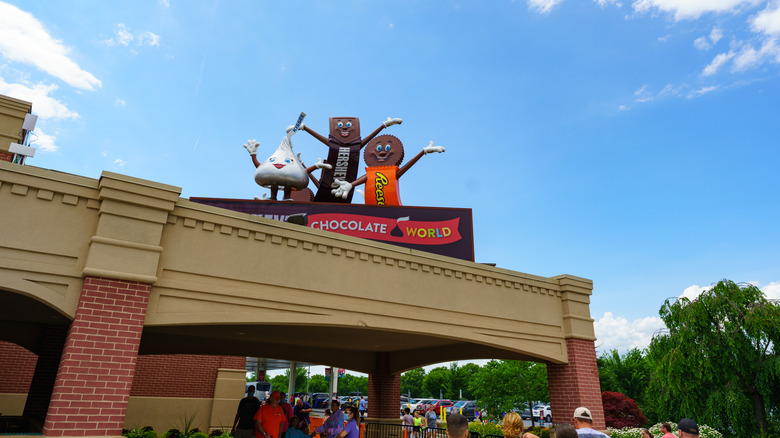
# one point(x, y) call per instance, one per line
point(94, 273)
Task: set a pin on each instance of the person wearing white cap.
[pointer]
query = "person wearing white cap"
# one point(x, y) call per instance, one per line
point(583, 422)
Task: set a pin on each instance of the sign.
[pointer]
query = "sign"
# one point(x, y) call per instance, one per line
point(444, 231)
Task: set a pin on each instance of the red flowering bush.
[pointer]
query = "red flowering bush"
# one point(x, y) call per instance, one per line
point(621, 411)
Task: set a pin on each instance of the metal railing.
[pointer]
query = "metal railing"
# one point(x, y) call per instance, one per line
point(388, 430)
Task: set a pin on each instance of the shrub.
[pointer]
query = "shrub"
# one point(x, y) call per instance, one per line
point(485, 428)
point(541, 432)
point(621, 411)
point(143, 432)
point(635, 432)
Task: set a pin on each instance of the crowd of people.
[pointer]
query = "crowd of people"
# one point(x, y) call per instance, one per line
point(277, 418)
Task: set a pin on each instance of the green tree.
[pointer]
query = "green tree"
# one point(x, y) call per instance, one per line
point(350, 383)
point(317, 383)
point(412, 382)
point(628, 374)
point(501, 385)
point(281, 382)
point(463, 378)
point(436, 381)
point(719, 361)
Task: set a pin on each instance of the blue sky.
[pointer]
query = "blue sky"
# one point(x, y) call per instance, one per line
point(632, 143)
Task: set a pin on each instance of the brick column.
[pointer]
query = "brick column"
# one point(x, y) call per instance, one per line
point(45, 375)
point(98, 361)
point(576, 384)
point(6, 156)
point(384, 390)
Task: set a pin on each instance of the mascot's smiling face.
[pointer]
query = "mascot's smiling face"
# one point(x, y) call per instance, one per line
point(345, 129)
point(384, 150)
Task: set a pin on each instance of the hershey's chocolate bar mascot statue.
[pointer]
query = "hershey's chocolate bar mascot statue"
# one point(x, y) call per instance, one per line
point(344, 145)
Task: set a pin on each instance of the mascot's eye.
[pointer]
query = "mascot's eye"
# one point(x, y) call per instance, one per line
point(379, 148)
point(288, 161)
point(340, 125)
point(272, 159)
point(387, 148)
point(349, 124)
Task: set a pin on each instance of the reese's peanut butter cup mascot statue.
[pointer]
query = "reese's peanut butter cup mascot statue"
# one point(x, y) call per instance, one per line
point(283, 168)
point(344, 145)
point(382, 156)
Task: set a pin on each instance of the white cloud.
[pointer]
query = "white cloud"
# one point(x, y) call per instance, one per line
point(692, 292)
point(543, 6)
point(119, 162)
point(24, 39)
point(38, 94)
point(749, 57)
point(148, 39)
point(690, 9)
point(702, 43)
point(604, 3)
point(772, 290)
point(715, 35)
point(642, 95)
point(664, 38)
point(768, 20)
point(165, 3)
point(616, 332)
point(119, 102)
point(124, 37)
point(44, 142)
point(623, 108)
point(717, 63)
point(702, 91)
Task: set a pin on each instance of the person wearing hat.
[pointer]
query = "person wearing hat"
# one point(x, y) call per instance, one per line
point(688, 428)
point(583, 422)
point(270, 417)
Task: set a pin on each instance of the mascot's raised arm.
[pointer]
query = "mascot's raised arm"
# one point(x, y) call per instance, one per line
point(344, 144)
point(382, 156)
point(283, 168)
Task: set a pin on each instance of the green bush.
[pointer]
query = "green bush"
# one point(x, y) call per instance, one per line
point(541, 432)
point(143, 432)
point(635, 432)
point(485, 428)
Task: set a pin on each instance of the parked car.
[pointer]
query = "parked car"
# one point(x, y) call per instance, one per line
point(423, 405)
point(543, 411)
point(441, 404)
point(320, 400)
point(466, 407)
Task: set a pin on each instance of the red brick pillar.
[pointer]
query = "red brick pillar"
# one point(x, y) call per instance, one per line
point(384, 390)
point(6, 156)
point(576, 384)
point(98, 361)
point(49, 354)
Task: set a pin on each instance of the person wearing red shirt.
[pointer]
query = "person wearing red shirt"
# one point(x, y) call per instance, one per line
point(269, 418)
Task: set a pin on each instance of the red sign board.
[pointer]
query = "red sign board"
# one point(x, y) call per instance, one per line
point(445, 231)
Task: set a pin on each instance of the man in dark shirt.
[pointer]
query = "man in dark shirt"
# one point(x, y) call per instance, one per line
point(244, 424)
point(301, 410)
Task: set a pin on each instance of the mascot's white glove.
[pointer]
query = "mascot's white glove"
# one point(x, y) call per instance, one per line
point(251, 146)
point(431, 149)
point(290, 128)
point(391, 122)
point(320, 165)
point(342, 188)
